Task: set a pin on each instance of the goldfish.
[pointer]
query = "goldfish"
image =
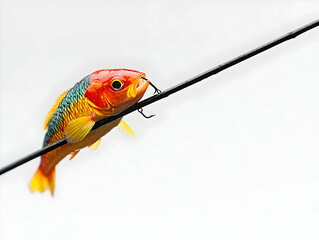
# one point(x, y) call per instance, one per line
point(99, 95)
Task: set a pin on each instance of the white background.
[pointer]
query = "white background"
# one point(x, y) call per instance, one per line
point(233, 157)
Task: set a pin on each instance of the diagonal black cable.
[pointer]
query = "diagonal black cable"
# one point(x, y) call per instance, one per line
point(171, 90)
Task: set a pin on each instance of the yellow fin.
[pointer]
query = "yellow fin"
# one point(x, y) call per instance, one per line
point(126, 128)
point(74, 154)
point(41, 182)
point(54, 107)
point(94, 145)
point(78, 128)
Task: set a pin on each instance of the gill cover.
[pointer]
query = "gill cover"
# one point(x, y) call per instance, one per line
point(99, 101)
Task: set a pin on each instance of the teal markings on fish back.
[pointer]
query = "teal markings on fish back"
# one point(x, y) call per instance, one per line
point(73, 95)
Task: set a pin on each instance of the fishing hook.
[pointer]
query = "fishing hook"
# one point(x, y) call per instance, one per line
point(141, 112)
point(158, 91)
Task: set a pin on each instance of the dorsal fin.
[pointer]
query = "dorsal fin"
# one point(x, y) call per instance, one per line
point(54, 107)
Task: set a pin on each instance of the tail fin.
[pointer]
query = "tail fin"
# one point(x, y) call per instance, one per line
point(42, 182)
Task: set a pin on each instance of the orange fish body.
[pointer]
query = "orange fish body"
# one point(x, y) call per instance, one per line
point(99, 95)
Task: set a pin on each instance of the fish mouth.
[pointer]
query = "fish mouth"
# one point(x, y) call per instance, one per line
point(140, 81)
point(142, 85)
point(138, 88)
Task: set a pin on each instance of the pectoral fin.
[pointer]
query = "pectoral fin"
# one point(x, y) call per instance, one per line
point(126, 128)
point(78, 128)
point(94, 145)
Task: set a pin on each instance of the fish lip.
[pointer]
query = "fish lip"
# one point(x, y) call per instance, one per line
point(139, 82)
point(141, 86)
point(138, 87)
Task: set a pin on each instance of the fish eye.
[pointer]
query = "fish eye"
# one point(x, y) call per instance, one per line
point(117, 84)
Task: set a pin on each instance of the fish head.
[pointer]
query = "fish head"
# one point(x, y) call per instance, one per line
point(114, 90)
